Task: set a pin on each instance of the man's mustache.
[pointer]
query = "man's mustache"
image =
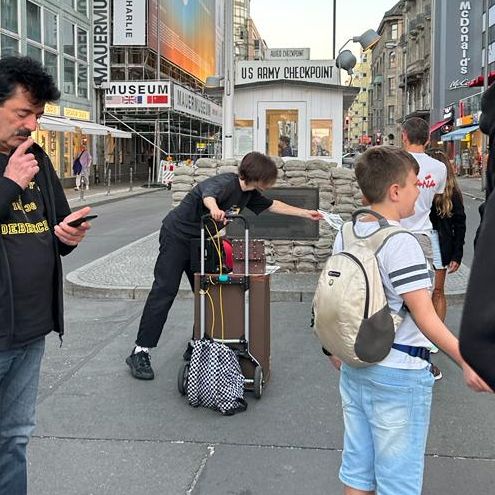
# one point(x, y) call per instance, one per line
point(23, 133)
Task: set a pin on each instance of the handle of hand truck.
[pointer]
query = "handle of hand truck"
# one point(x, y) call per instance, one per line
point(229, 216)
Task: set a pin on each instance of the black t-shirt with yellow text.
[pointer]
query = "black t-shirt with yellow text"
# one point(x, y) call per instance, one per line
point(30, 251)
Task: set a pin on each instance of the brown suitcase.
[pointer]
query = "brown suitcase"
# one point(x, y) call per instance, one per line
point(256, 255)
point(233, 320)
point(234, 309)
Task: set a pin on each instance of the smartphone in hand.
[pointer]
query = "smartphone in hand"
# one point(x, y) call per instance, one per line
point(79, 221)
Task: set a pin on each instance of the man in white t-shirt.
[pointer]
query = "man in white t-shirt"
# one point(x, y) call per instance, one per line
point(432, 178)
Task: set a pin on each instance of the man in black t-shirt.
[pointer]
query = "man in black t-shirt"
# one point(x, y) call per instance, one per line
point(215, 196)
point(34, 233)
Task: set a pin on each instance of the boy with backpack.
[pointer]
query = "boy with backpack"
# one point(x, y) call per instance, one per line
point(386, 404)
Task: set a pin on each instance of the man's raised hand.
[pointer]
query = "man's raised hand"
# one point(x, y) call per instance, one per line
point(22, 166)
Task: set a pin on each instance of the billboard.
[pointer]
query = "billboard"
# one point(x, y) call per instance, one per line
point(457, 47)
point(129, 20)
point(187, 32)
point(137, 94)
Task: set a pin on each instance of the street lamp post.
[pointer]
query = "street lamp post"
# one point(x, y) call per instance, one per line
point(228, 89)
point(346, 60)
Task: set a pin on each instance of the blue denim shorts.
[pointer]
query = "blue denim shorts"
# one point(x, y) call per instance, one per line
point(386, 419)
point(437, 255)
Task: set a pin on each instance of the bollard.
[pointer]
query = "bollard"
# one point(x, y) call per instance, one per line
point(82, 187)
point(109, 179)
point(149, 178)
point(130, 179)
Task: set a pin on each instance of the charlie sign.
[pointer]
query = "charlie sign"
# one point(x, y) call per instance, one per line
point(317, 71)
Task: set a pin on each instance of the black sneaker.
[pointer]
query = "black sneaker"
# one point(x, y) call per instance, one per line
point(140, 364)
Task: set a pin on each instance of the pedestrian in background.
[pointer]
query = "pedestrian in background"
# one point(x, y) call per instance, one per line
point(432, 177)
point(449, 230)
point(34, 216)
point(84, 167)
point(284, 147)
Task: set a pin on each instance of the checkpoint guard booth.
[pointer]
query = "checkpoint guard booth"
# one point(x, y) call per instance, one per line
point(290, 108)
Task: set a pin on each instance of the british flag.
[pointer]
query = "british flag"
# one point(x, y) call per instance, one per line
point(128, 100)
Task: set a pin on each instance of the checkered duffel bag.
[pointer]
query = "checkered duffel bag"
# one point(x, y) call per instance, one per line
point(215, 379)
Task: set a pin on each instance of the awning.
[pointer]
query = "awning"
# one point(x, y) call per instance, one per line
point(437, 126)
point(459, 134)
point(479, 81)
point(100, 130)
point(59, 124)
point(63, 124)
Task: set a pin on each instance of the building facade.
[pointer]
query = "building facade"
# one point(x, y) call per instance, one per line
point(386, 95)
point(356, 122)
point(56, 33)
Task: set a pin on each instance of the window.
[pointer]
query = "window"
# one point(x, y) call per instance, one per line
point(82, 44)
point(34, 52)
point(392, 60)
point(391, 86)
point(82, 81)
point(82, 6)
point(118, 55)
point(51, 64)
point(10, 13)
point(394, 31)
point(50, 29)
point(8, 45)
point(321, 137)
point(69, 77)
point(68, 40)
point(282, 124)
point(33, 28)
point(75, 48)
point(391, 114)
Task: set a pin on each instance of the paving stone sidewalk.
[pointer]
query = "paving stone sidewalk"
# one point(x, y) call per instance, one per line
point(100, 194)
point(128, 274)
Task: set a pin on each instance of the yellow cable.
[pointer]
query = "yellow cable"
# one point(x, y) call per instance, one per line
point(220, 296)
point(212, 330)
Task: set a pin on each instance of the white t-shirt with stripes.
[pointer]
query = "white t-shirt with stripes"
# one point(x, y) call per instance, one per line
point(404, 269)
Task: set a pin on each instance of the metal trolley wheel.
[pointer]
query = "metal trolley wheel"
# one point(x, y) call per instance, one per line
point(182, 378)
point(258, 382)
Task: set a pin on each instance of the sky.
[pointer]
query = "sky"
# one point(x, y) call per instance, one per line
point(308, 23)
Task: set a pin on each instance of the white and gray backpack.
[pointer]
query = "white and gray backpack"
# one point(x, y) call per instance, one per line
point(352, 317)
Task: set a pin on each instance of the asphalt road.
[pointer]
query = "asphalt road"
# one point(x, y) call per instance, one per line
point(119, 224)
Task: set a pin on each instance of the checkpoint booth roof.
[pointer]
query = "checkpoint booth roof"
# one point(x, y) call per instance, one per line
point(290, 108)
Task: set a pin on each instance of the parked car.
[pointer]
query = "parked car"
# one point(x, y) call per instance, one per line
point(349, 158)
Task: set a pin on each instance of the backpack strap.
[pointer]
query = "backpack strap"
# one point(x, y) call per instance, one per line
point(347, 234)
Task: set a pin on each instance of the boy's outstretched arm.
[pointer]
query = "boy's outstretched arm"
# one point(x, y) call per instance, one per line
point(282, 208)
point(419, 304)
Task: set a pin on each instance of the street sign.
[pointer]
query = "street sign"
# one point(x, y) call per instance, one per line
point(287, 54)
